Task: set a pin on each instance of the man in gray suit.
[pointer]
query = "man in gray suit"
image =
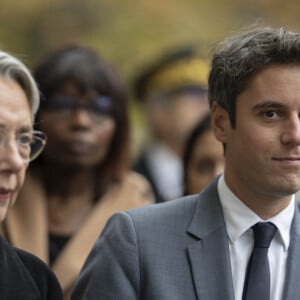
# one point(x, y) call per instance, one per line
point(198, 247)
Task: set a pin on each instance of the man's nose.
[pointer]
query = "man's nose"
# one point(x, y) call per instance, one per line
point(291, 133)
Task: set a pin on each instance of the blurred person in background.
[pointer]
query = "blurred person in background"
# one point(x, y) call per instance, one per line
point(173, 94)
point(83, 176)
point(203, 158)
point(23, 276)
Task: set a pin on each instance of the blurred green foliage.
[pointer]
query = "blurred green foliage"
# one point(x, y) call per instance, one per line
point(129, 33)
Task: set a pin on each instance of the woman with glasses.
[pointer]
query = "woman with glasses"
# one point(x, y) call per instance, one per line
point(22, 275)
point(83, 175)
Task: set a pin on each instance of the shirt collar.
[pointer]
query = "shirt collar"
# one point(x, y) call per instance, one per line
point(166, 169)
point(239, 218)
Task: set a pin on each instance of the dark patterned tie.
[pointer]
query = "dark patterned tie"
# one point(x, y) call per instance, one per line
point(257, 280)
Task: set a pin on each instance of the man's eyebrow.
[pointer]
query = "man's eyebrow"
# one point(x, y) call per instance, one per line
point(268, 104)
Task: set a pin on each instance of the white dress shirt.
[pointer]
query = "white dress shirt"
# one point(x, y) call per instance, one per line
point(167, 170)
point(239, 219)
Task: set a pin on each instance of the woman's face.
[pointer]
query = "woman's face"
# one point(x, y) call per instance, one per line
point(205, 163)
point(15, 120)
point(79, 127)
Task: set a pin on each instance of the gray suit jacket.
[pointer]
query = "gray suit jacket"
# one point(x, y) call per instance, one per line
point(175, 250)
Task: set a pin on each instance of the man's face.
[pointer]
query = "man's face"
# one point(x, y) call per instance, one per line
point(263, 151)
point(15, 118)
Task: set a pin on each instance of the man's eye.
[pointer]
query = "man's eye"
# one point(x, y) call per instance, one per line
point(270, 114)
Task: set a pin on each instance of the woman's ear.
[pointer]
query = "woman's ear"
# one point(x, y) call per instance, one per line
point(220, 123)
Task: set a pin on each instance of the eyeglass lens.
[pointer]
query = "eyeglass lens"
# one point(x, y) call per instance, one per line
point(37, 145)
point(100, 105)
point(29, 144)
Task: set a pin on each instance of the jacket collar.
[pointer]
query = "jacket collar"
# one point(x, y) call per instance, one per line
point(209, 254)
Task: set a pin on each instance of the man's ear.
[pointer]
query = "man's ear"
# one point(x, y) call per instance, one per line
point(220, 123)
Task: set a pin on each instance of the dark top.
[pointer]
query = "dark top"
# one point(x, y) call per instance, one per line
point(56, 244)
point(141, 166)
point(23, 276)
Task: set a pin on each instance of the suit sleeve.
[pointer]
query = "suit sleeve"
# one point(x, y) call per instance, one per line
point(112, 269)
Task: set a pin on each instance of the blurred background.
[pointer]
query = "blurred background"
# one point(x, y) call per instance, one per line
point(131, 33)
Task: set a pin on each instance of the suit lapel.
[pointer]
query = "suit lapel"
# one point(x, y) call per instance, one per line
point(292, 286)
point(209, 254)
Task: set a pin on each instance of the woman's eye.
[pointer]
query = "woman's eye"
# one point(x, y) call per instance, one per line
point(25, 139)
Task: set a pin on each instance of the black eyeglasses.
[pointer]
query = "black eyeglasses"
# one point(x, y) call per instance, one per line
point(64, 104)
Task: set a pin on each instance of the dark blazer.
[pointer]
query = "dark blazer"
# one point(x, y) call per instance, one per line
point(25, 277)
point(171, 251)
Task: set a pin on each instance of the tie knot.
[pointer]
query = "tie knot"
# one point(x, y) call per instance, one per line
point(263, 234)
